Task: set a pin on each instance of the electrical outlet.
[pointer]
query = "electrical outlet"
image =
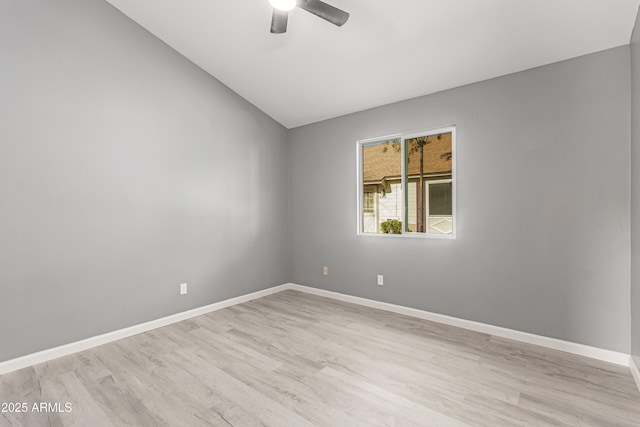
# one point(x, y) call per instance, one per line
point(380, 280)
point(325, 271)
point(183, 288)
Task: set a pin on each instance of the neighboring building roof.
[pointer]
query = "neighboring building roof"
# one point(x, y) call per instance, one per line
point(383, 161)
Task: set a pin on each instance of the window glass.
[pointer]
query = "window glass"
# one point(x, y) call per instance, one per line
point(428, 162)
point(440, 199)
point(382, 186)
point(369, 202)
point(421, 164)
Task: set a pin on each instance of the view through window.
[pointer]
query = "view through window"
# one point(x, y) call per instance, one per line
point(406, 184)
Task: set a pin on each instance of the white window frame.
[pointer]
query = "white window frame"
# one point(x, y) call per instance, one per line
point(373, 202)
point(403, 137)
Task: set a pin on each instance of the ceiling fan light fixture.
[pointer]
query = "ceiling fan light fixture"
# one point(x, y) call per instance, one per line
point(281, 8)
point(284, 5)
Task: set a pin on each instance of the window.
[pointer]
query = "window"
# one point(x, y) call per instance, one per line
point(406, 184)
point(368, 202)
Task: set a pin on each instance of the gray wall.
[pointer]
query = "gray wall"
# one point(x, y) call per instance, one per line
point(635, 192)
point(543, 204)
point(124, 171)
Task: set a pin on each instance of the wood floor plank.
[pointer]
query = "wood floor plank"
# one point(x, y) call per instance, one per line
point(302, 360)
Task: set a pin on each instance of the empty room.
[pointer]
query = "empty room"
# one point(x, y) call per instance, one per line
point(319, 213)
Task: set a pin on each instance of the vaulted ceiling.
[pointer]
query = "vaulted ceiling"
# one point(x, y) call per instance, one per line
point(389, 50)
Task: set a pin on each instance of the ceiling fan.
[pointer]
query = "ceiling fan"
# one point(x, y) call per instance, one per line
point(319, 8)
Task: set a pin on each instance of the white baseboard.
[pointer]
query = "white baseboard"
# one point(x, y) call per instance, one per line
point(67, 349)
point(635, 371)
point(553, 343)
point(569, 347)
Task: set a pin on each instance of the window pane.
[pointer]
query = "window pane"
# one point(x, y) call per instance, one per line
point(368, 202)
point(440, 199)
point(382, 187)
point(428, 158)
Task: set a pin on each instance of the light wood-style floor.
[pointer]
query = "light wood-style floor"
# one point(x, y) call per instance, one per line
point(293, 359)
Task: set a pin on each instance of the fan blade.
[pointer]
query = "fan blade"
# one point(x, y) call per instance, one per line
point(325, 11)
point(279, 21)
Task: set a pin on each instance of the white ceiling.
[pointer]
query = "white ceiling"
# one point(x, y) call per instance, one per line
point(389, 50)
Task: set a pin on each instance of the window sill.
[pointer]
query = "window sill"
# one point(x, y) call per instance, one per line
point(411, 236)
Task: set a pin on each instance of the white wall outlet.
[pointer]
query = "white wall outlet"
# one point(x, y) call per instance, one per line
point(325, 271)
point(380, 280)
point(183, 288)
